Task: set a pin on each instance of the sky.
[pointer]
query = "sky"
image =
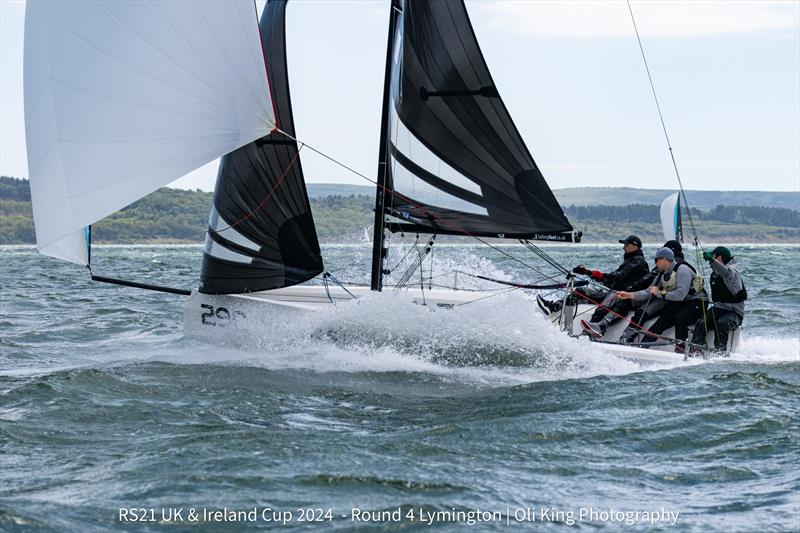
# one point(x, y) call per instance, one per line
point(570, 72)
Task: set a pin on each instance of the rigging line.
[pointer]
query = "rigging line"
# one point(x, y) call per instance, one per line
point(663, 125)
point(422, 276)
point(412, 202)
point(269, 195)
point(504, 291)
point(430, 277)
point(416, 241)
point(327, 275)
point(536, 285)
point(327, 290)
point(699, 259)
point(547, 258)
point(413, 268)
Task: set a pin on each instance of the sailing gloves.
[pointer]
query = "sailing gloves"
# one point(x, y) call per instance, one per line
point(708, 256)
point(582, 270)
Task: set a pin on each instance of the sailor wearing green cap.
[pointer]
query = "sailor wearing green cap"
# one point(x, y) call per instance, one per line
point(728, 294)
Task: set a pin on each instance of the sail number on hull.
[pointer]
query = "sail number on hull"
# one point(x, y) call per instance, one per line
point(219, 316)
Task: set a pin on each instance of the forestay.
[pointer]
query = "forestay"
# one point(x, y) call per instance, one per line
point(456, 163)
point(261, 233)
point(123, 97)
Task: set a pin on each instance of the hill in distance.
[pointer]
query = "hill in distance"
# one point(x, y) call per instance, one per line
point(614, 196)
point(342, 212)
point(697, 199)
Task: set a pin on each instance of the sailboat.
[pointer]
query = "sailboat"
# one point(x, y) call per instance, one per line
point(124, 97)
point(451, 162)
point(670, 212)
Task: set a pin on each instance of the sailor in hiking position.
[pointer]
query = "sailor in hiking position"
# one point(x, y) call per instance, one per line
point(728, 294)
point(676, 296)
point(614, 309)
point(633, 267)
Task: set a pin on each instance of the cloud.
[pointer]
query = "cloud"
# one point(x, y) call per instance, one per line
point(610, 18)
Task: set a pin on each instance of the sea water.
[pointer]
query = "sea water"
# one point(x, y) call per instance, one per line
point(383, 414)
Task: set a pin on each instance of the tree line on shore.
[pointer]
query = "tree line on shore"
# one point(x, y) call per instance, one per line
point(174, 215)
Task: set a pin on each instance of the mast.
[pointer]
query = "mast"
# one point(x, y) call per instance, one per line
point(378, 236)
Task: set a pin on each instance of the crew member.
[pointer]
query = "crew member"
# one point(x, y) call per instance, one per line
point(633, 267)
point(728, 294)
point(676, 295)
point(614, 309)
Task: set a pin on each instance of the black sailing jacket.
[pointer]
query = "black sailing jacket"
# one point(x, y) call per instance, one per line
point(633, 268)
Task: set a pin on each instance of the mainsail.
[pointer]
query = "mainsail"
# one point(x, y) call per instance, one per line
point(123, 97)
point(455, 162)
point(671, 217)
point(261, 233)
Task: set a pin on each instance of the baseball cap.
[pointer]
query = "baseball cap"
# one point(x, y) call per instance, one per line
point(632, 239)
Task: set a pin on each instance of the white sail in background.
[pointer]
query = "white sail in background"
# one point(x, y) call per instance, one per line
point(671, 217)
point(125, 96)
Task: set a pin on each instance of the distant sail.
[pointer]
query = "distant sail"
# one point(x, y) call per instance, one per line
point(671, 217)
point(456, 162)
point(123, 97)
point(261, 233)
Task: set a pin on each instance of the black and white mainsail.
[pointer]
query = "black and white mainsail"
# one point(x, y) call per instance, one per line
point(261, 233)
point(451, 159)
point(456, 163)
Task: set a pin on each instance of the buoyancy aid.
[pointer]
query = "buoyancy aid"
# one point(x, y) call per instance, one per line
point(668, 282)
point(721, 293)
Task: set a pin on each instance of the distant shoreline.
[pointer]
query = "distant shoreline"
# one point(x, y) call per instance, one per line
point(344, 213)
point(439, 244)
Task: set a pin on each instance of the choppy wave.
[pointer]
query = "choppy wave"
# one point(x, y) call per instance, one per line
point(104, 403)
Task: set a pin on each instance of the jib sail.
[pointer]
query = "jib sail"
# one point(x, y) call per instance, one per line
point(454, 161)
point(261, 233)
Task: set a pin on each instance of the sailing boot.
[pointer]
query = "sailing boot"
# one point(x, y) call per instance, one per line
point(548, 306)
point(629, 335)
point(594, 329)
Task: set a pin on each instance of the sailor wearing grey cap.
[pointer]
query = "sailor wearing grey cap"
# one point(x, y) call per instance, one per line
point(676, 295)
point(618, 309)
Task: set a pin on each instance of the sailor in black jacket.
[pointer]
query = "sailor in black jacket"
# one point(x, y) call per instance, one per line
point(633, 268)
point(603, 318)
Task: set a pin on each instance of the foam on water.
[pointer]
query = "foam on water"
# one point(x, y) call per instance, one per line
point(388, 333)
point(760, 349)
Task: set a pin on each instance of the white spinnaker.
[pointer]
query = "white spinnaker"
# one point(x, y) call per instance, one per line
point(125, 96)
point(670, 216)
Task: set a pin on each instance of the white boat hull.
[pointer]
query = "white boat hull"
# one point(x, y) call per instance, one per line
point(662, 351)
point(206, 314)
